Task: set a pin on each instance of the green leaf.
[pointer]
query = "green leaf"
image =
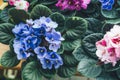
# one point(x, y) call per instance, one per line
point(4, 15)
point(18, 15)
point(107, 76)
point(69, 60)
point(110, 13)
point(71, 45)
point(88, 32)
point(75, 28)
point(6, 33)
point(47, 2)
point(118, 1)
point(110, 67)
point(79, 53)
point(113, 21)
point(94, 1)
point(89, 68)
point(31, 71)
point(47, 73)
point(107, 27)
point(94, 25)
point(118, 73)
point(92, 10)
point(9, 59)
point(89, 42)
point(65, 71)
point(39, 11)
point(23, 65)
point(59, 19)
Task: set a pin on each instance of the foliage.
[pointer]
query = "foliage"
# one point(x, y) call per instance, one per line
point(80, 29)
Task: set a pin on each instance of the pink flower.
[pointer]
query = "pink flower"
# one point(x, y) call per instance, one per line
point(108, 49)
point(11, 2)
point(73, 4)
point(85, 3)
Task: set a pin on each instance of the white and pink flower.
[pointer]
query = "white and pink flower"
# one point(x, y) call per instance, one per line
point(108, 49)
point(20, 4)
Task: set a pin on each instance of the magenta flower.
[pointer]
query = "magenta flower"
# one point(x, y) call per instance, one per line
point(73, 4)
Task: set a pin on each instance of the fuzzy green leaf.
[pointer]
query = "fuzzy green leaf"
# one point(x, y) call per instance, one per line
point(18, 15)
point(69, 60)
point(89, 42)
point(110, 13)
point(94, 25)
point(6, 33)
point(39, 11)
point(107, 76)
point(70, 45)
point(89, 68)
point(48, 73)
point(75, 28)
point(59, 19)
point(79, 53)
point(65, 71)
point(9, 59)
point(31, 71)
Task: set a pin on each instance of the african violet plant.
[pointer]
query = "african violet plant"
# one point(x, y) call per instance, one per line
point(68, 37)
point(44, 40)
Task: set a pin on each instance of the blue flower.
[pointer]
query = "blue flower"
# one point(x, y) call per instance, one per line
point(103, 1)
point(54, 37)
point(40, 51)
point(31, 42)
point(20, 50)
point(21, 30)
point(107, 4)
point(57, 63)
point(40, 31)
point(49, 23)
point(50, 60)
point(46, 63)
point(54, 46)
point(55, 58)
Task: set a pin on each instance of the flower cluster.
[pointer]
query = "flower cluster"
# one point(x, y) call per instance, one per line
point(19, 4)
point(40, 38)
point(73, 4)
point(107, 4)
point(108, 49)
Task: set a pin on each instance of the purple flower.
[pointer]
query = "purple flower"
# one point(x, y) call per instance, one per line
point(20, 50)
point(73, 4)
point(107, 4)
point(40, 51)
point(46, 63)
